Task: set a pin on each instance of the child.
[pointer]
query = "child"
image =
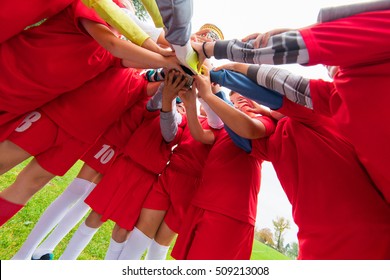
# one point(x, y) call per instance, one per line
point(334, 201)
point(120, 194)
point(79, 117)
point(74, 40)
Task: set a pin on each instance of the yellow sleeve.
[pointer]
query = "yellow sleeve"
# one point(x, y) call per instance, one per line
point(152, 9)
point(115, 17)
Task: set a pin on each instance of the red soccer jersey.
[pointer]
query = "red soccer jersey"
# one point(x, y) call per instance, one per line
point(51, 59)
point(88, 111)
point(358, 45)
point(17, 16)
point(333, 201)
point(231, 179)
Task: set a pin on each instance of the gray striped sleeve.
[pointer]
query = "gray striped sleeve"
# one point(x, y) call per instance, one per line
point(284, 48)
point(294, 87)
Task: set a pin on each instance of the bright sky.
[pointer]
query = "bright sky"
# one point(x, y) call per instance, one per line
point(239, 18)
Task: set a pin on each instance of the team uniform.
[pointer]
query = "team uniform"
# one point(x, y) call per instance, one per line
point(110, 144)
point(226, 201)
point(334, 203)
point(361, 84)
point(62, 48)
point(17, 17)
point(177, 184)
point(120, 194)
point(79, 117)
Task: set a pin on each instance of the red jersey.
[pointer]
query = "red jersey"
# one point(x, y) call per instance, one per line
point(358, 45)
point(231, 179)
point(333, 200)
point(88, 111)
point(53, 58)
point(17, 16)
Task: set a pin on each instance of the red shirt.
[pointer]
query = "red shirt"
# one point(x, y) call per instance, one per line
point(88, 111)
point(359, 105)
point(17, 16)
point(334, 203)
point(53, 58)
point(231, 179)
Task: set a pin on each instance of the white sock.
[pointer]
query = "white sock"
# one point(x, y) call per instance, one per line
point(157, 251)
point(52, 215)
point(79, 241)
point(135, 246)
point(114, 250)
point(74, 215)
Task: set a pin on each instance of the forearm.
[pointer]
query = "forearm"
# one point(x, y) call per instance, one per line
point(197, 131)
point(284, 48)
point(169, 118)
point(295, 87)
point(248, 88)
point(239, 122)
point(117, 18)
point(334, 13)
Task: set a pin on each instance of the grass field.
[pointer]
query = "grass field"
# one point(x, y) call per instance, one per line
point(15, 231)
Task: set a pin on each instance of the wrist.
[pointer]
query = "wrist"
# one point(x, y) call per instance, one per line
point(204, 50)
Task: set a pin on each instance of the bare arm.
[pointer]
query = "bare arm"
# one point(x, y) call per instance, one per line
point(237, 121)
point(132, 55)
point(200, 134)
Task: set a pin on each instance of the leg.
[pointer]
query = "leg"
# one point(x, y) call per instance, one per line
point(118, 241)
point(142, 234)
point(82, 236)
point(159, 248)
point(29, 181)
point(55, 214)
point(11, 155)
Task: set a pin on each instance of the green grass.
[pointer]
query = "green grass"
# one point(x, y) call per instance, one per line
point(16, 230)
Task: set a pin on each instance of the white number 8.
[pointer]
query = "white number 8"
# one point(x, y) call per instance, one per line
point(28, 121)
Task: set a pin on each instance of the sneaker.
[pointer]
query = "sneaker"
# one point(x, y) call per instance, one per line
point(44, 257)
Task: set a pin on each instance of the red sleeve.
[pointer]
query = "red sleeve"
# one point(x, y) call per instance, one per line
point(268, 123)
point(82, 11)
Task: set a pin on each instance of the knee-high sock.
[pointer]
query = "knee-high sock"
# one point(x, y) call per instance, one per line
point(135, 246)
point(52, 215)
point(79, 241)
point(114, 250)
point(7, 210)
point(68, 222)
point(157, 251)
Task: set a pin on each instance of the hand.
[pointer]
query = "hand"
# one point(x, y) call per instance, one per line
point(202, 83)
point(188, 97)
point(261, 39)
point(174, 83)
point(201, 36)
point(166, 52)
point(234, 66)
point(198, 49)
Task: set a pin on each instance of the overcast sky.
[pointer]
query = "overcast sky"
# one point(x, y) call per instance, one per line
point(239, 18)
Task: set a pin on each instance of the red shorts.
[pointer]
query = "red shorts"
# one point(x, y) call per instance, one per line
point(54, 149)
point(119, 196)
point(100, 155)
point(173, 192)
point(207, 235)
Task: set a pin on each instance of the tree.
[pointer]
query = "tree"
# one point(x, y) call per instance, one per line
point(265, 236)
point(140, 11)
point(291, 250)
point(280, 225)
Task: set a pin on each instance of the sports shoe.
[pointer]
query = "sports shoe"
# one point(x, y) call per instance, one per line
point(44, 257)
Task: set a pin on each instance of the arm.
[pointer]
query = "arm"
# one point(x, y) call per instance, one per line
point(169, 117)
point(132, 55)
point(200, 134)
point(295, 87)
point(246, 87)
point(334, 13)
point(239, 122)
point(284, 48)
